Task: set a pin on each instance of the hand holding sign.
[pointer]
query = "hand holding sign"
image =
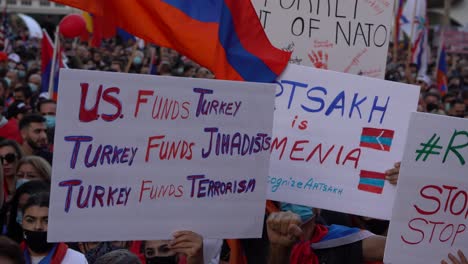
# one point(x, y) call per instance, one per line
point(455, 260)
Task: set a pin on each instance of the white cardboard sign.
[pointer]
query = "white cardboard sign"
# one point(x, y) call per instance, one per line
point(348, 36)
point(429, 218)
point(138, 157)
point(334, 136)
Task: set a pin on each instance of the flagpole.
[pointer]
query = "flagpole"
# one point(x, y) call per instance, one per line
point(410, 44)
point(54, 61)
point(439, 51)
point(395, 33)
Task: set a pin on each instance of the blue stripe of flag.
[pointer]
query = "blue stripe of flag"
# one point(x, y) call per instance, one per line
point(218, 11)
point(370, 139)
point(373, 182)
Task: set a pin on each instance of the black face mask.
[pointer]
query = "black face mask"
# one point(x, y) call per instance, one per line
point(431, 107)
point(37, 241)
point(162, 260)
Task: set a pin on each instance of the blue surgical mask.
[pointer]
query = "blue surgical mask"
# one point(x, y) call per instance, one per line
point(21, 74)
point(305, 212)
point(8, 81)
point(137, 60)
point(33, 87)
point(19, 217)
point(50, 121)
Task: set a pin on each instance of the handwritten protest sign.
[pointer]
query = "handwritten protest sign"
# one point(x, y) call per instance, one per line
point(139, 157)
point(345, 36)
point(431, 206)
point(334, 136)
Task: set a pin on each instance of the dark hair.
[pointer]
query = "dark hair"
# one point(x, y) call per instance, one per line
point(14, 229)
point(120, 256)
point(26, 90)
point(4, 84)
point(11, 251)
point(464, 95)
point(39, 199)
point(30, 118)
point(457, 101)
point(16, 108)
point(432, 94)
point(14, 145)
point(46, 101)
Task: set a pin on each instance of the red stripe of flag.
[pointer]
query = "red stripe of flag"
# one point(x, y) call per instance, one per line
point(374, 146)
point(248, 26)
point(370, 188)
point(375, 132)
point(372, 174)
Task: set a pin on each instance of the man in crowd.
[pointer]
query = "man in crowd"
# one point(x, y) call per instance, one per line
point(34, 134)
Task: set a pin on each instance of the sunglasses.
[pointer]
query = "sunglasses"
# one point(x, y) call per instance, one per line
point(9, 158)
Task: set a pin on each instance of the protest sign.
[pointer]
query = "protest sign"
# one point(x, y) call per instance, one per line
point(334, 136)
point(345, 36)
point(139, 157)
point(431, 206)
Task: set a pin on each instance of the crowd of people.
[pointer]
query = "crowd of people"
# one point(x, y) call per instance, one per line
point(27, 123)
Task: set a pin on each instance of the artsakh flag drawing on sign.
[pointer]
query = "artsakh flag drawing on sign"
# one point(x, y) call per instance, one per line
point(371, 181)
point(376, 138)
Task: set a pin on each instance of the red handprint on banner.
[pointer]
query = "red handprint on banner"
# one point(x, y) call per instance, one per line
point(319, 59)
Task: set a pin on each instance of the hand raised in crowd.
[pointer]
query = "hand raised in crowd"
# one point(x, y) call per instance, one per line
point(189, 244)
point(454, 260)
point(284, 228)
point(392, 174)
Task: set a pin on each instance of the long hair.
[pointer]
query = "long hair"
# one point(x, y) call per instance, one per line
point(39, 164)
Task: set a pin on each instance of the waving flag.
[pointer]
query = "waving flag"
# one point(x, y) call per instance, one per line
point(415, 24)
point(223, 35)
point(47, 54)
point(442, 71)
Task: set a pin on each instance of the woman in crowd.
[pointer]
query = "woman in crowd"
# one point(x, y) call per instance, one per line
point(33, 168)
point(185, 247)
point(10, 154)
point(15, 219)
point(35, 247)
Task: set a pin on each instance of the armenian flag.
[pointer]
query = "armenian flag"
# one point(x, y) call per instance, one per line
point(377, 138)
point(442, 71)
point(371, 181)
point(47, 54)
point(223, 35)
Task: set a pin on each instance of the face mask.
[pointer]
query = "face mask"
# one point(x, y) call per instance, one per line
point(21, 74)
point(33, 87)
point(19, 217)
point(431, 107)
point(162, 260)
point(306, 213)
point(447, 107)
point(8, 81)
point(50, 121)
point(137, 60)
point(37, 241)
point(20, 182)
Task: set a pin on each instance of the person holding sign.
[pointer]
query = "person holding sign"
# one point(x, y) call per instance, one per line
point(35, 247)
point(318, 243)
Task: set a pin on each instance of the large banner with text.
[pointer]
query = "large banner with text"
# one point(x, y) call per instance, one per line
point(138, 157)
point(334, 137)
